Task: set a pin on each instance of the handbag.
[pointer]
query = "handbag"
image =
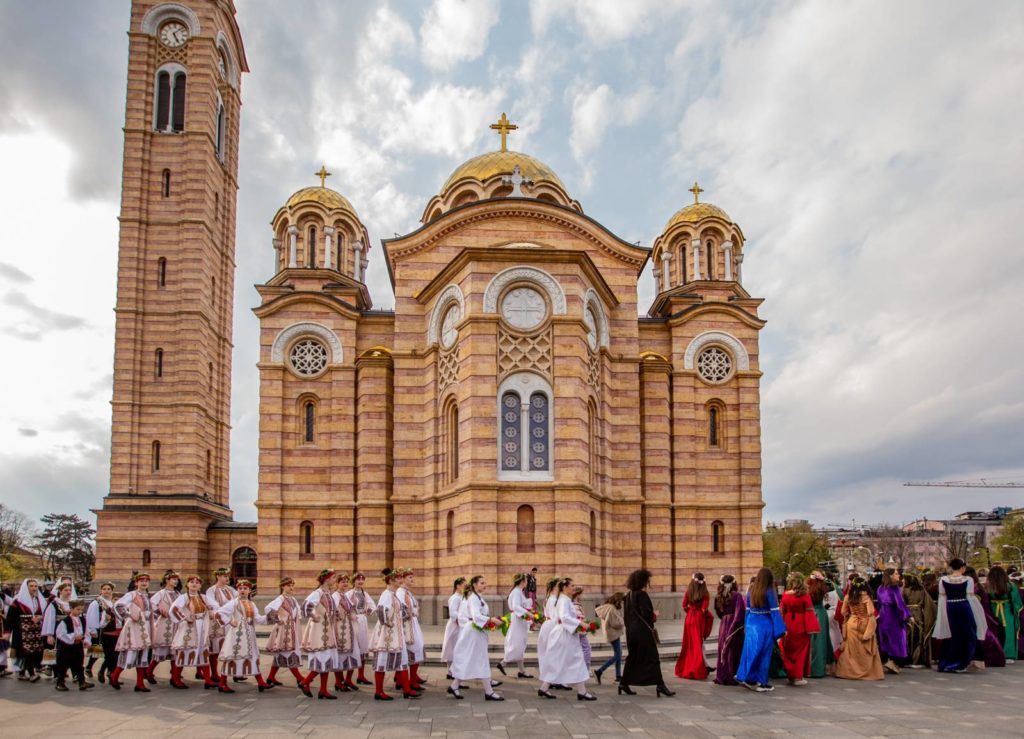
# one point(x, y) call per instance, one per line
point(49, 657)
point(654, 631)
point(96, 650)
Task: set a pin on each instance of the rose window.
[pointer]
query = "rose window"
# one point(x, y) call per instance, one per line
point(714, 365)
point(524, 308)
point(308, 357)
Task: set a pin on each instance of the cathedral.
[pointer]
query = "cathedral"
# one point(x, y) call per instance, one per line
point(513, 410)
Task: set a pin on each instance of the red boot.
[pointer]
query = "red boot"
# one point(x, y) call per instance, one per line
point(115, 683)
point(414, 677)
point(272, 677)
point(302, 682)
point(348, 681)
point(324, 693)
point(339, 682)
point(361, 679)
point(208, 682)
point(140, 680)
point(379, 694)
point(223, 687)
point(213, 668)
point(403, 682)
point(150, 672)
point(176, 680)
point(261, 683)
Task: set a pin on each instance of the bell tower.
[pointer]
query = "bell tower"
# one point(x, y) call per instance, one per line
point(175, 287)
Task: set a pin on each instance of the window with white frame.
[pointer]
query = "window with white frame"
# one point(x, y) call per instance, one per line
point(525, 424)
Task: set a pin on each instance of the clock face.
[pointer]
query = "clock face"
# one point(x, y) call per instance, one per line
point(173, 34)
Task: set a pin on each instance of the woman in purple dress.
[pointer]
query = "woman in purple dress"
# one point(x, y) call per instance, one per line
point(989, 651)
point(730, 608)
point(961, 621)
point(893, 616)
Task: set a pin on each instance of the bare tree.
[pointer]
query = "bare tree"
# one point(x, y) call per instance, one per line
point(16, 531)
point(958, 545)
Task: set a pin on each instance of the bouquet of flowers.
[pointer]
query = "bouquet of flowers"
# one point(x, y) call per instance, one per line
point(506, 622)
point(489, 626)
point(535, 617)
point(588, 628)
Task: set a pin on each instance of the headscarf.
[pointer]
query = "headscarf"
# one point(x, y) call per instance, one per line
point(24, 598)
point(56, 588)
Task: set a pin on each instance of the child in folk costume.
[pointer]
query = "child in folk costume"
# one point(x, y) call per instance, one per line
point(57, 609)
point(133, 643)
point(163, 625)
point(563, 662)
point(363, 606)
point(451, 628)
point(72, 639)
point(471, 661)
point(548, 626)
point(190, 643)
point(519, 607)
point(104, 626)
point(801, 622)
point(240, 654)
point(387, 641)
point(217, 596)
point(859, 659)
point(349, 657)
point(320, 637)
point(286, 635)
point(691, 664)
point(24, 623)
point(413, 632)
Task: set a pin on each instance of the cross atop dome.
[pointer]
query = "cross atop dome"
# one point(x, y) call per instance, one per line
point(503, 127)
point(696, 190)
point(323, 174)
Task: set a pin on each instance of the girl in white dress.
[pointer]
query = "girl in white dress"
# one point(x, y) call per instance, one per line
point(320, 637)
point(133, 643)
point(413, 632)
point(519, 606)
point(240, 654)
point(104, 625)
point(471, 661)
point(563, 662)
point(285, 639)
point(349, 657)
point(451, 629)
point(363, 606)
point(545, 628)
point(216, 596)
point(190, 644)
point(163, 625)
point(387, 642)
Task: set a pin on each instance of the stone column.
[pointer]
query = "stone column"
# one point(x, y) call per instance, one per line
point(357, 260)
point(727, 248)
point(293, 237)
point(695, 247)
point(657, 278)
point(739, 268)
point(666, 268)
point(328, 247)
point(277, 255)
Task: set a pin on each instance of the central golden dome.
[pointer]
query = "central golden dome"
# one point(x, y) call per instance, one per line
point(330, 199)
point(486, 166)
point(697, 212)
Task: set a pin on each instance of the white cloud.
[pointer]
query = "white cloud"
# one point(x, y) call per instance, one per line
point(455, 31)
point(594, 111)
point(602, 21)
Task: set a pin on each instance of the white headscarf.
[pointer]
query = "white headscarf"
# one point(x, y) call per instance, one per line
point(74, 591)
point(26, 600)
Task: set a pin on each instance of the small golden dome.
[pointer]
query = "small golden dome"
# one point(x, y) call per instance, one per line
point(697, 212)
point(486, 166)
point(326, 197)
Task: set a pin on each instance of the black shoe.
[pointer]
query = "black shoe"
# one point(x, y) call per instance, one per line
point(546, 694)
point(60, 686)
point(85, 686)
point(379, 697)
point(455, 694)
point(238, 679)
point(449, 676)
point(524, 676)
point(663, 690)
point(626, 690)
point(411, 695)
point(326, 697)
point(495, 683)
point(585, 697)
point(273, 682)
point(597, 674)
point(305, 690)
point(360, 681)
point(144, 690)
point(501, 669)
point(102, 677)
point(493, 697)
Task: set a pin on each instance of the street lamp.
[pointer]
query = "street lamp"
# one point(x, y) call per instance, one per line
point(1020, 553)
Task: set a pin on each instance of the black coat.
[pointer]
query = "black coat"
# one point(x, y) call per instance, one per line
point(643, 663)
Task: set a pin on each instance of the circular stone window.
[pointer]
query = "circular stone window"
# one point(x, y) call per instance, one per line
point(714, 365)
point(524, 308)
point(308, 357)
point(448, 332)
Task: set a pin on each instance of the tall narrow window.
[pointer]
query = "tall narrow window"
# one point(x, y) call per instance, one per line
point(539, 447)
point(163, 100)
point(713, 426)
point(209, 464)
point(311, 248)
point(717, 537)
point(216, 206)
point(682, 265)
point(159, 363)
point(165, 183)
point(161, 272)
point(710, 262)
point(210, 373)
point(511, 457)
point(146, 558)
point(450, 532)
point(592, 434)
point(593, 531)
point(156, 456)
point(453, 441)
point(306, 535)
point(178, 103)
point(524, 529)
point(220, 132)
point(310, 417)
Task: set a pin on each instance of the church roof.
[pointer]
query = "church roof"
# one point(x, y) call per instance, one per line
point(330, 199)
point(697, 212)
point(485, 166)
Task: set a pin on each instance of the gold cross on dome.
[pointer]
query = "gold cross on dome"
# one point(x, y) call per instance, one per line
point(503, 127)
point(696, 190)
point(323, 174)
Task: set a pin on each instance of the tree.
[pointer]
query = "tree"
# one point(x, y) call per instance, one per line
point(66, 546)
point(15, 533)
point(958, 545)
point(794, 548)
point(1009, 545)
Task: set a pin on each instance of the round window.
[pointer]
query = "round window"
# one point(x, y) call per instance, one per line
point(524, 308)
point(308, 357)
point(714, 365)
point(448, 332)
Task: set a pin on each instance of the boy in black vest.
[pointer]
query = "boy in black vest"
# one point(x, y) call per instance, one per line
point(72, 641)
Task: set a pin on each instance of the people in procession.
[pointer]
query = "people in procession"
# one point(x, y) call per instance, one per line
point(762, 627)
point(960, 623)
point(133, 643)
point(989, 650)
point(411, 624)
point(471, 661)
point(320, 635)
point(58, 608)
point(25, 624)
point(217, 596)
point(893, 619)
point(363, 606)
point(520, 608)
point(190, 642)
point(163, 623)
point(564, 662)
point(730, 607)
point(859, 658)
point(349, 657)
point(801, 622)
point(643, 662)
point(104, 626)
point(824, 600)
point(387, 641)
point(550, 618)
point(72, 637)
point(613, 626)
point(919, 630)
point(451, 628)
point(285, 641)
point(1005, 604)
point(240, 652)
point(691, 664)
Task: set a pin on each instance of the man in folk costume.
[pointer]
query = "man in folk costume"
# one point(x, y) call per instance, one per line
point(58, 608)
point(387, 642)
point(362, 606)
point(286, 635)
point(349, 656)
point(217, 596)
point(72, 638)
point(133, 644)
point(240, 654)
point(163, 625)
point(320, 637)
point(24, 623)
point(190, 644)
point(104, 627)
point(413, 632)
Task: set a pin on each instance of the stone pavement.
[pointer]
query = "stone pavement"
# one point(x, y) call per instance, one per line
point(914, 703)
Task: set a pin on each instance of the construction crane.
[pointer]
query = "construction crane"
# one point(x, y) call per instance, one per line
point(982, 483)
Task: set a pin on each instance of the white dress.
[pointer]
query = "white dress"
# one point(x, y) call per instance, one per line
point(835, 630)
point(190, 645)
point(519, 628)
point(286, 635)
point(163, 625)
point(451, 629)
point(563, 659)
point(387, 642)
point(240, 654)
point(216, 598)
point(320, 638)
point(413, 632)
point(471, 660)
point(546, 627)
point(349, 655)
point(363, 606)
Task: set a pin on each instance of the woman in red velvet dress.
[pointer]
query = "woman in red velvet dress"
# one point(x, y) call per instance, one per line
point(691, 664)
point(801, 621)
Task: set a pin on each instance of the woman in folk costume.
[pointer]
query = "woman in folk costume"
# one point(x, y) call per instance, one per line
point(240, 654)
point(762, 627)
point(801, 621)
point(363, 606)
point(320, 637)
point(893, 617)
point(349, 657)
point(24, 623)
point(163, 624)
point(285, 639)
point(104, 627)
point(989, 652)
point(549, 622)
point(471, 661)
point(1005, 602)
point(859, 658)
point(960, 623)
point(133, 643)
point(519, 607)
point(730, 608)
point(217, 596)
point(387, 641)
point(919, 631)
point(451, 629)
point(190, 643)
point(691, 664)
point(57, 610)
point(413, 632)
point(563, 663)
point(822, 652)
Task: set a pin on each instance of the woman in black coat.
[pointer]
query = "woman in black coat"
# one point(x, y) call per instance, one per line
point(643, 663)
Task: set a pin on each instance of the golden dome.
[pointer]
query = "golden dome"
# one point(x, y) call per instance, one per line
point(697, 212)
point(485, 166)
point(325, 196)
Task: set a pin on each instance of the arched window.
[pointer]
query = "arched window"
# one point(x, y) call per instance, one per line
point(311, 247)
point(539, 442)
point(309, 419)
point(156, 456)
point(161, 272)
point(170, 99)
point(525, 428)
point(243, 564)
point(511, 432)
point(524, 529)
point(178, 103)
point(710, 261)
point(146, 558)
point(450, 438)
point(159, 363)
point(209, 464)
point(306, 537)
point(165, 183)
point(717, 537)
point(593, 444)
point(712, 426)
point(593, 531)
point(716, 424)
point(682, 265)
point(163, 100)
point(221, 122)
point(450, 532)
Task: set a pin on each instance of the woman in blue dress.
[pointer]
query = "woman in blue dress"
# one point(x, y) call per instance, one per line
point(961, 620)
point(762, 626)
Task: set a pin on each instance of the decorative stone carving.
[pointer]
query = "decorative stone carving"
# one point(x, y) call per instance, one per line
point(523, 308)
point(590, 300)
point(156, 16)
point(517, 353)
point(288, 335)
point(308, 357)
point(447, 368)
point(450, 295)
point(594, 372)
point(714, 365)
point(734, 345)
point(591, 321)
point(516, 179)
point(513, 274)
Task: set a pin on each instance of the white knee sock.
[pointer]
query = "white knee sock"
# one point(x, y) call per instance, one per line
point(456, 684)
point(488, 688)
point(581, 688)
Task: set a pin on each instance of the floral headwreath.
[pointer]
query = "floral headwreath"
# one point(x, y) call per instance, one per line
point(167, 576)
point(140, 575)
point(324, 575)
point(242, 582)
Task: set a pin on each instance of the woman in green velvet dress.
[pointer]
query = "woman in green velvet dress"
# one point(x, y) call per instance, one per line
point(919, 630)
point(1004, 599)
point(822, 652)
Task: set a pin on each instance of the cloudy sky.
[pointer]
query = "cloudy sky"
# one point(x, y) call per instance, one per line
point(873, 154)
